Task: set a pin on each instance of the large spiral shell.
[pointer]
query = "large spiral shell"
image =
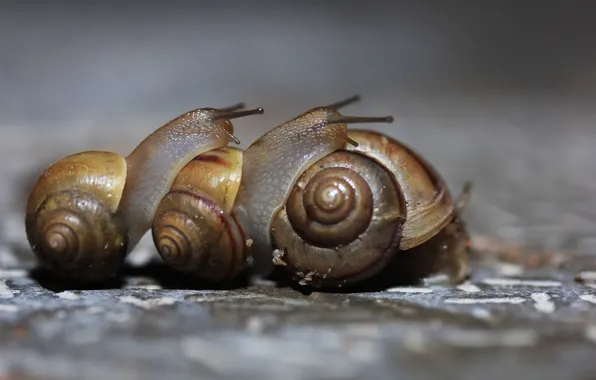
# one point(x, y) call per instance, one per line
point(71, 220)
point(342, 222)
point(193, 229)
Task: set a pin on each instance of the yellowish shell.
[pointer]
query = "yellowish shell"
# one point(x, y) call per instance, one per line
point(71, 217)
point(217, 173)
point(193, 229)
point(102, 174)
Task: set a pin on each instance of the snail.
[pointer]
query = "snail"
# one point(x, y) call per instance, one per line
point(334, 206)
point(194, 230)
point(88, 210)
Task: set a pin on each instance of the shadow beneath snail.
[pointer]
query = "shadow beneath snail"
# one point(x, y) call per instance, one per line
point(50, 282)
point(168, 278)
point(155, 273)
point(282, 280)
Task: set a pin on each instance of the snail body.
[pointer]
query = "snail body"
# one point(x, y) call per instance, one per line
point(194, 229)
point(334, 207)
point(87, 211)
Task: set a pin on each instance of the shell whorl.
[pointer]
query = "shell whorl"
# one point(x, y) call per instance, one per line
point(193, 235)
point(333, 207)
point(358, 213)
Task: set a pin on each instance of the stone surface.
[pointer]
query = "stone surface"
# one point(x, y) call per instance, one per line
point(501, 95)
point(504, 322)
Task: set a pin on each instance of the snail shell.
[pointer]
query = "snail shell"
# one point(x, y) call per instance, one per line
point(71, 218)
point(194, 230)
point(330, 233)
point(342, 221)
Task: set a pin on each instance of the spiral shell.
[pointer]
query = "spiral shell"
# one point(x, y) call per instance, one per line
point(193, 229)
point(430, 206)
point(71, 219)
point(342, 222)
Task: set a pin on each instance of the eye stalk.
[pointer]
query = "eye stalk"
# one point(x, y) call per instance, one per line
point(233, 113)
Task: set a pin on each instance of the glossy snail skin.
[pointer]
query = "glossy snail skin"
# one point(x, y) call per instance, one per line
point(194, 230)
point(273, 163)
point(88, 210)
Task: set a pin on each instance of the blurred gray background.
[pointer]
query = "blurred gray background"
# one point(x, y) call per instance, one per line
point(499, 93)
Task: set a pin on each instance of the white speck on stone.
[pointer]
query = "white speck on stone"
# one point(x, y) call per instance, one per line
point(481, 313)
point(12, 273)
point(67, 295)
point(144, 286)
point(148, 304)
point(588, 298)
point(472, 301)
point(255, 325)
point(5, 291)
point(409, 290)
point(508, 269)
point(519, 282)
point(469, 287)
point(543, 302)
point(9, 308)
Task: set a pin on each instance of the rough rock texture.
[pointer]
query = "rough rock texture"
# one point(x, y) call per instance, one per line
point(502, 95)
point(507, 322)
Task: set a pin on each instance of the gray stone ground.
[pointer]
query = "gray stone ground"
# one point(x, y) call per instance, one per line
point(502, 95)
point(505, 323)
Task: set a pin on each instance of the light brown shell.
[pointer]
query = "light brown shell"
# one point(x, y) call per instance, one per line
point(71, 220)
point(194, 230)
point(429, 204)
